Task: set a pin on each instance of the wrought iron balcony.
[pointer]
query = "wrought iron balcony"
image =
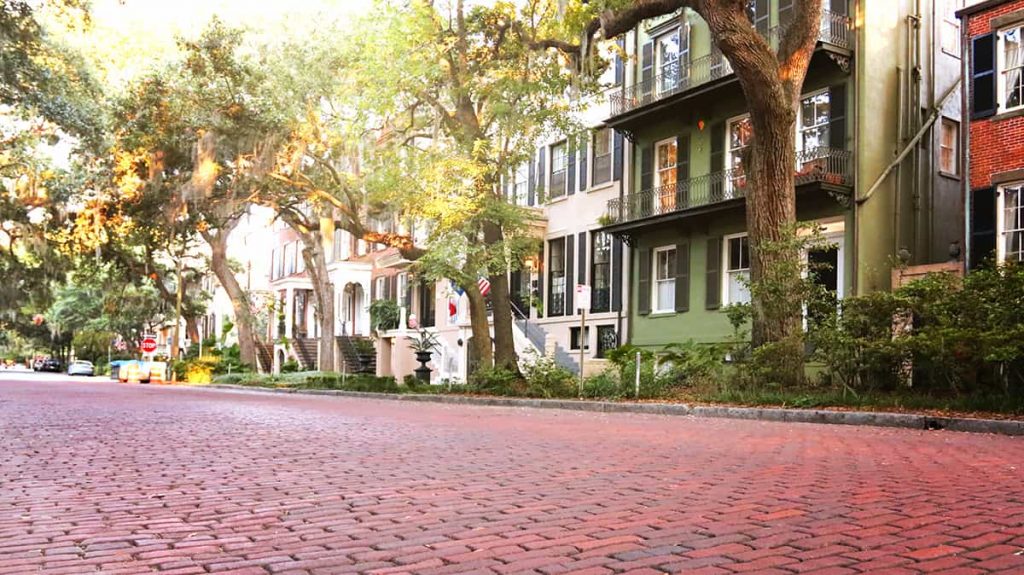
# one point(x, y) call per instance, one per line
point(680, 77)
point(817, 165)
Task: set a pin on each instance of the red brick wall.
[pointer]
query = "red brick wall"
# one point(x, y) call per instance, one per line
point(996, 145)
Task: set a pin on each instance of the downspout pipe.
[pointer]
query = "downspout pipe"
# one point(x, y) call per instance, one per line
point(965, 136)
point(911, 144)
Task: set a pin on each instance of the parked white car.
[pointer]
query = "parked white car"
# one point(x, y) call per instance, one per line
point(81, 367)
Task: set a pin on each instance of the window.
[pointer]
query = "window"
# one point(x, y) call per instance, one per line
point(737, 269)
point(1010, 222)
point(556, 277)
point(600, 272)
point(664, 279)
point(289, 259)
point(665, 174)
point(520, 185)
point(672, 53)
point(275, 258)
point(739, 132)
point(402, 297)
point(949, 160)
point(558, 166)
point(950, 33)
point(1010, 66)
point(341, 245)
point(602, 169)
point(812, 125)
point(379, 288)
point(574, 338)
point(300, 262)
point(607, 339)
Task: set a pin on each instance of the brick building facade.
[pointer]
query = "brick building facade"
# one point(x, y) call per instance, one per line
point(994, 110)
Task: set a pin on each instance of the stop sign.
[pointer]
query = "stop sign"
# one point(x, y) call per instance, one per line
point(149, 344)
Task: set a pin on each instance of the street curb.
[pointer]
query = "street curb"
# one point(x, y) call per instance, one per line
point(866, 418)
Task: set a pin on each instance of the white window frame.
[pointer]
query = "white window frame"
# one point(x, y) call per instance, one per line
point(682, 34)
point(610, 138)
point(949, 31)
point(726, 272)
point(379, 286)
point(1001, 223)
point(954, 151)
point(521, 185)
point(658, 169)
point(656, 303)
point(800, 119)
point(1001, 70)
point(730, 152)
point(555, 167)
point(401, 288)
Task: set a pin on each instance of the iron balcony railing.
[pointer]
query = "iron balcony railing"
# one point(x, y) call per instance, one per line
point(682, 76)
point(825, 165)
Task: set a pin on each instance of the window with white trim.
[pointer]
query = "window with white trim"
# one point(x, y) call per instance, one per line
point(736, 257)
point(559, 163)
point(289, 258)
point(665, 154)
point(378, 287)
point(520, 185)
point(1010, 65)
point(739, 132)
point(556, 277)
point(672, 52)
point(1010, 223)
point(664, 284)
point(949, 140)
point(402, 297)
point(813, 118)
point(601, 171)
point(950, 32)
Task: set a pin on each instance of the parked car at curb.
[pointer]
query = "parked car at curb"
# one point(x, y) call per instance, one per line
point(81, 367)
point(49, 364)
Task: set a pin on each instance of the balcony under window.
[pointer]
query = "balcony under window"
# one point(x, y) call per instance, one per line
point(827, 167)
point(679, 74)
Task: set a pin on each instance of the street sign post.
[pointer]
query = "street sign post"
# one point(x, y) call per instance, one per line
point(148, 344)
point(582, 304)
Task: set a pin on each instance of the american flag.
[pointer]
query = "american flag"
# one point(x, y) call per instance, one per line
point(484, 285)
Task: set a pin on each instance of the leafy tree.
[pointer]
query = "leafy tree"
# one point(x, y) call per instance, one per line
point(771, 81)
point(461, 94)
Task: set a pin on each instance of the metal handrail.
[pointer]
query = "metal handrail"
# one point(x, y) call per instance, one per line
point(821, 164)
point(679, 77)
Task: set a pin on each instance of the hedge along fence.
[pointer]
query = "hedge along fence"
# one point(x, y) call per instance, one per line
point(962, 336)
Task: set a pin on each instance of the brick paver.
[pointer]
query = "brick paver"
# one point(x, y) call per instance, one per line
point(102, 478)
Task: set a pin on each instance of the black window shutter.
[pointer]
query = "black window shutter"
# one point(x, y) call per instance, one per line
point(683, 277)
point(581, 244)
point(713, 295)
point(393, 289)
point(541, 166)
point(983, 76)
point(838, 7)
point(837, 121)
point(647, 71)
point(983, 226)
point(643, 288)
point(682, 171)
point(373, 290)
point(570, 283)
point(617, 156)
point(531, 182)
point(616, 274)
point(571, 169)
point(647, 167)
point(620, 69)
point(583, 168)
point(540, 281)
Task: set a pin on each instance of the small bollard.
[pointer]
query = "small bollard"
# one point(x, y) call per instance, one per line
point(638, 375)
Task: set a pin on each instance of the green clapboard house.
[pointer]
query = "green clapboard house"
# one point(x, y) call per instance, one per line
point(882, 84)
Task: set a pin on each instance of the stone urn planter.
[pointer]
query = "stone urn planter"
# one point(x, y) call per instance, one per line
point(424, 345)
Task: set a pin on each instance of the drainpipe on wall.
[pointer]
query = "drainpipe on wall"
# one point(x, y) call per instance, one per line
point(965, 137)
point(855, 251)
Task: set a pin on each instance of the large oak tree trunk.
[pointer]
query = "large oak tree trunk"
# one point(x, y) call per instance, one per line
point(323, 292)
point(482, 349)
point(504, 343)
point(239, 298)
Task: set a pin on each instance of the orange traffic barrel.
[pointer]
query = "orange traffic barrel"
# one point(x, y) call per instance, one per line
point(156, 373)
point(133, 373)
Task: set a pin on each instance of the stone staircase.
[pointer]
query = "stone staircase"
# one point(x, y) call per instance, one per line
point(306, 352)
point(348, 346)
point(538, 338)
point(265, 357)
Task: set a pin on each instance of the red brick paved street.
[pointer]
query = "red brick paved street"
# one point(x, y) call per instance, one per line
point(102, 478)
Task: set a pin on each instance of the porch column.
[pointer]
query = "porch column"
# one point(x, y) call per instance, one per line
point(289, 312)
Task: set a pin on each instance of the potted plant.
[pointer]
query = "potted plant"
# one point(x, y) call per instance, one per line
point(424, 345)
